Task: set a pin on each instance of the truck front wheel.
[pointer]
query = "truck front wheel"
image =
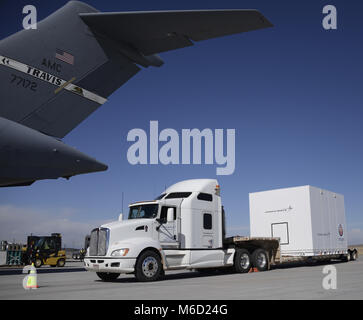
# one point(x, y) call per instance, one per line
point(148, 266)
point(107, 276)
point(260, 260)
point(242, 261)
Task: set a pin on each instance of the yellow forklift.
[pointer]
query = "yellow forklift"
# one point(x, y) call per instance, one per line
point(44, 250)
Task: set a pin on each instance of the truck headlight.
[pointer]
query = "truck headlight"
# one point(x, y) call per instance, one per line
point(120, 252)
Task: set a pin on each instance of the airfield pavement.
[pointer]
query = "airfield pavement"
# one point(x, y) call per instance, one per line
point(288, 282)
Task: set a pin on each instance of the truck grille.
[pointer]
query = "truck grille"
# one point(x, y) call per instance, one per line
point(99, 242)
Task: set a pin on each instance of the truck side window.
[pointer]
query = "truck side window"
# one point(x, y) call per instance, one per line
point(164, 213)
point(177, 195)
point(205, 196)
point(207, 221)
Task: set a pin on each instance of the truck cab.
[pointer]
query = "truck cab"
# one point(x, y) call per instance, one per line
point(181, 229)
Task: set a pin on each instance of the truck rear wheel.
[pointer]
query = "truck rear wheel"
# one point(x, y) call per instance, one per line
point(260, 259)
point(107, 276)
point(148, 267)
point(242, 261)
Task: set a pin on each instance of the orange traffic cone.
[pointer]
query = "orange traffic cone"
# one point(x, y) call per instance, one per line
point(253, 270)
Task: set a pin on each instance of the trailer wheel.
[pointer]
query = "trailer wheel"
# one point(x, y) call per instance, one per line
point(148, 267)
point(260, 259)
point(353, 255)
point(346, 257)
point(242, 261)
point(107, 276)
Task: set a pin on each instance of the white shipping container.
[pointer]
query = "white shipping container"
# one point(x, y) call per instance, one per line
point(309, 221)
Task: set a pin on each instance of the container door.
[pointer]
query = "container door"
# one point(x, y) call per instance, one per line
point(280, 230)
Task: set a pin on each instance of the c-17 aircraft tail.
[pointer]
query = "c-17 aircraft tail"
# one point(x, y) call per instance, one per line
point(55, 76)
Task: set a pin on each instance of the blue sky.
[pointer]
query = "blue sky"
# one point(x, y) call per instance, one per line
point(293, 94)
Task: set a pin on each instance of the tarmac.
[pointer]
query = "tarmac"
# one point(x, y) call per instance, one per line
point(288, 282)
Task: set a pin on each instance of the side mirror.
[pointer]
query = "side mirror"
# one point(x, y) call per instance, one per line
point(120, 217)
point(170, 215)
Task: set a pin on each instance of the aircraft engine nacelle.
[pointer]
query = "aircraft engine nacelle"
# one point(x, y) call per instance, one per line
point(27, 155)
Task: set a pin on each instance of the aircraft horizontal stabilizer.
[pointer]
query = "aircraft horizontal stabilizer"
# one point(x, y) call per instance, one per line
point(153, 32)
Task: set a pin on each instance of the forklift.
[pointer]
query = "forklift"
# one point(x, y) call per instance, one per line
point(44, 250)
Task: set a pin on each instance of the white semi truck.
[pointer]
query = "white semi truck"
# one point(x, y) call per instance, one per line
point(184, 228)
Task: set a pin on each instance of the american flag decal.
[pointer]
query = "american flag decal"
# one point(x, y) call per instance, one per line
point(64, 56)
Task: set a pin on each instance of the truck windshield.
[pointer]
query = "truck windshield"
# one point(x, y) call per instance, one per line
point(144, 211)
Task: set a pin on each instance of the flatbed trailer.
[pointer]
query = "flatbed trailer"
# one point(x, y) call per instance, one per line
point(273, 250)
